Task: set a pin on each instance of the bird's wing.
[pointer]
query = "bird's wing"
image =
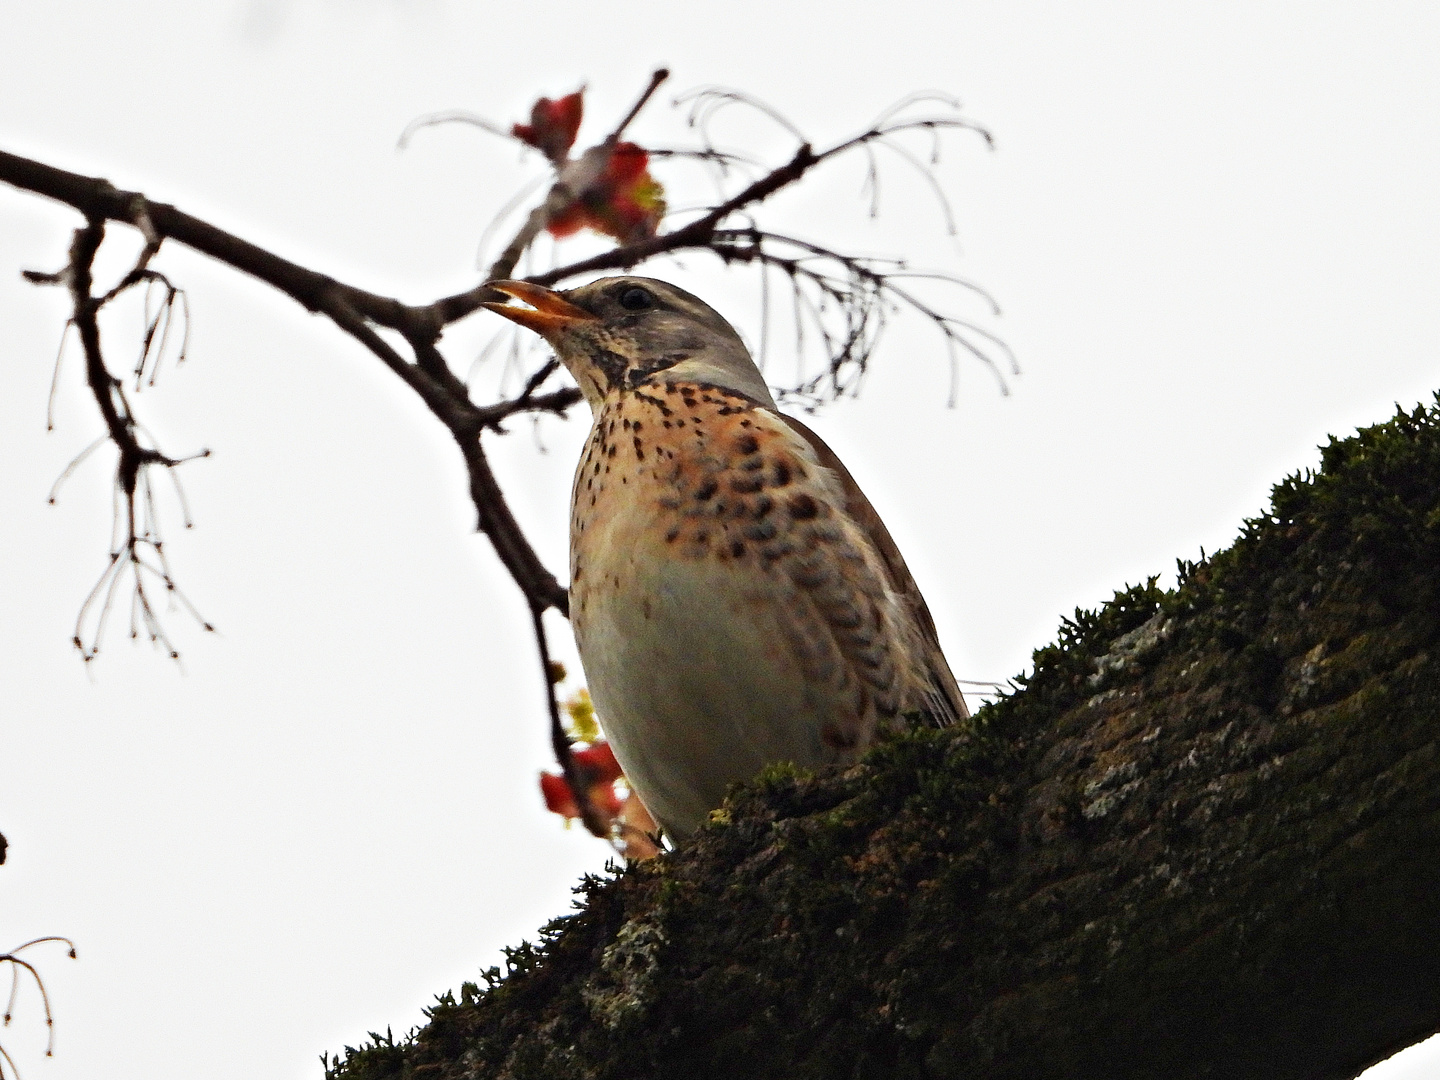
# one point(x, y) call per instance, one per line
point(950, 704)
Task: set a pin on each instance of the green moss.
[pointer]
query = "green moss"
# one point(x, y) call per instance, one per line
point(1163, 807)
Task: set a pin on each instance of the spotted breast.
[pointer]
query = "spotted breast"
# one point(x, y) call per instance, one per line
point(728, 613)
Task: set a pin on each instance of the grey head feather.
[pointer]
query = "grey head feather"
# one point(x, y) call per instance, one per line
point(675, 335)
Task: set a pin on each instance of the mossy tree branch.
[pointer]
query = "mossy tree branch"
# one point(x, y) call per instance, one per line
point(1199, 841)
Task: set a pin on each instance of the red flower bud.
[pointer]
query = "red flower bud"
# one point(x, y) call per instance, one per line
point(553, 125)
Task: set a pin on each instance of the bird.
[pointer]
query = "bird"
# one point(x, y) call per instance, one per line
point(736, 600)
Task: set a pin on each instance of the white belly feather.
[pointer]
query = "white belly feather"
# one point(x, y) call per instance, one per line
point(695, 684)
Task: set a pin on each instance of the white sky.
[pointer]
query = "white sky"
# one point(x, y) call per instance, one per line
point(1214, 233)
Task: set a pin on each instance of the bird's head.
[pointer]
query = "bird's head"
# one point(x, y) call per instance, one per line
point(616, 333)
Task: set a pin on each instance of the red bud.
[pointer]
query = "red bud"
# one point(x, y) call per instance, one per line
point(553, 125)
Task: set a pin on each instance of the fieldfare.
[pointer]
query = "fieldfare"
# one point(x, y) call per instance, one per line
point(736, 600)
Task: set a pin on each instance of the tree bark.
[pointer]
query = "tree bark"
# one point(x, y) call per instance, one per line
point(1199, 841)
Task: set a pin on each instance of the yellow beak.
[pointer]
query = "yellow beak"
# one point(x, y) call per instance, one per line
point(548, 313)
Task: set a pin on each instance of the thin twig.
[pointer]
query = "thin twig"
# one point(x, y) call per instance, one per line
point(453, 117)
point(658, 76)
point(560, 740)
point(16, 966)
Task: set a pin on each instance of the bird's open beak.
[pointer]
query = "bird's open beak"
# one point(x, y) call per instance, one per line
point(548, 313)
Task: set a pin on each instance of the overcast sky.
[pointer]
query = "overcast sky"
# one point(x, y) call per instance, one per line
point(1213, 230)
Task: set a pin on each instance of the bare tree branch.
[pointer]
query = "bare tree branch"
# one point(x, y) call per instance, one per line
point(137, 545)
point(352, 309)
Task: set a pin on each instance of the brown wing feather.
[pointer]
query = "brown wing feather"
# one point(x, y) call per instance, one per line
point(948, 699)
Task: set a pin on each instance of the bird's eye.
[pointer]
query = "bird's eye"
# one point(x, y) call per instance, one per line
point(636, 299)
